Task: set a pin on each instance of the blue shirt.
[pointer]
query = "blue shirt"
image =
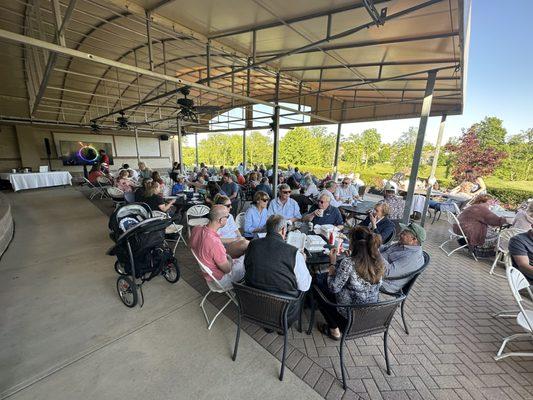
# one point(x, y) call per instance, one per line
point(288, 210)
point(332, 216)
point(178, 187)
point(253, 220)
point(230, 188)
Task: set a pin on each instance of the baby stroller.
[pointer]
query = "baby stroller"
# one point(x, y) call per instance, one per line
point(141, 250)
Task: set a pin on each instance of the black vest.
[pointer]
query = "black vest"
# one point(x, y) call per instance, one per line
point(269, 264)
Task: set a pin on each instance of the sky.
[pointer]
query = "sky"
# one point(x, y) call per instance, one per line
point(499, 80)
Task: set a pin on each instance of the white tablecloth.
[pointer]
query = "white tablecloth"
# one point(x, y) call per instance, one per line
point(37, 180)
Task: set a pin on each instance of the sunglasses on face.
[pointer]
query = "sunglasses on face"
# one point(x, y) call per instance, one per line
point(265, 199)
point(227, 205)
point(286, 191)
point(344, 183)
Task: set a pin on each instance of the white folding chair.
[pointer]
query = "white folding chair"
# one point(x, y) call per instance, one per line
point(195, 216)
point(452, 220)
point(240, 222)
point(103, 182)
point(502, 247)
point(173, 232)
point(214, 286)
point(524, 318)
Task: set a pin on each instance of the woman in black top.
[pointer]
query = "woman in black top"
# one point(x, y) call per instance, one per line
point(153, 197)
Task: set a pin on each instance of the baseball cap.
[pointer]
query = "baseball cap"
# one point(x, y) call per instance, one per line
point(416, 230)
point(389, 187)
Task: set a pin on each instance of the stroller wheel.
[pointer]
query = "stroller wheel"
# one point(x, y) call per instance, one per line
point(119, 268)
point(127, 290)
point(171, 272)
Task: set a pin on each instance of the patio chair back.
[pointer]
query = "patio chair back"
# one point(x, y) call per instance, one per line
point(214, 284)
point(391, 238)
point(517, 282)
point(263, 308)
point(198, 211)
point(103, 181)
point(240, 222)
point(452, 220)
point(504, 237)
point(409, 285)
point(115, 193)
point(88, 182)
point(370, 319)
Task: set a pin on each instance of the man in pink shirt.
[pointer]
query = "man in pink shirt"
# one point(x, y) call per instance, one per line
point(207, 246)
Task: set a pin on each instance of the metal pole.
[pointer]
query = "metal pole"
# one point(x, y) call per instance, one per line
point(180, 154)
point(137, 143)
point(149, 37)
point(196, 148)
point(424, 115)
point(433, 168)
point(337, 146)
point(276, 150)
point(243, 150)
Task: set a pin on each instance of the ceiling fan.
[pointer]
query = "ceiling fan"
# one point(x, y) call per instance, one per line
point(188, 111)
point(122, 121)
point(95, 128)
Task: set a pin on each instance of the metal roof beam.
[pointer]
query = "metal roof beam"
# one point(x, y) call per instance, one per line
point(289, 21)
point(440, 78)
point(371, 64)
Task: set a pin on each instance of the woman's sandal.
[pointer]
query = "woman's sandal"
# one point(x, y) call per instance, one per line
point(324, 329)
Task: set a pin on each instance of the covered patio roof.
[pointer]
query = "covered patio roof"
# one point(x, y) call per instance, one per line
point(77, 61)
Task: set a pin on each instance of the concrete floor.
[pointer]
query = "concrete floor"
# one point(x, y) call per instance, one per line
point(65, 334)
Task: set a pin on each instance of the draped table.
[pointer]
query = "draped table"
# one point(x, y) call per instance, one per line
point(35, 180)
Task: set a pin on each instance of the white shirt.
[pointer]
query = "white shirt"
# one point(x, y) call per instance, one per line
point(229, 231)
point(303, 277)
point(332, 199)
point(311, 190)
point(346, 193)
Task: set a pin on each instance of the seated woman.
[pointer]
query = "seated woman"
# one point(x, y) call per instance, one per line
point(356, 280)
point(124, 183)
point(378, 222)
point(157, 178)
point(256, 215)
point(475, 221)
point(152, 196)
point(95, 173)
point(230, 235)
point(144, 171)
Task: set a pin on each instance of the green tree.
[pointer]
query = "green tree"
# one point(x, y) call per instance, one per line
point(352, 150)
point(258, 148)
point(300, 147)
point(490, 132)
point(371, 143)
point(518, 165)
point(403, 149)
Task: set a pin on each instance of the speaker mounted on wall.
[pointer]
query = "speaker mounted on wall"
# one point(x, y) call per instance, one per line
point(163, 137)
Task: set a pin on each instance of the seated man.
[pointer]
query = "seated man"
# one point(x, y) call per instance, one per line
point(285, 206)
point(347, 192)
point(324, 213)
point(403, 257)
point(208, 247)
point(275, 266)
point(230, 235)
point(396, 203)
point(330, 187)
point(521, 251)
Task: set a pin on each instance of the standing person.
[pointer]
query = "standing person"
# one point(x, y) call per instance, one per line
point(103, 159)
point(475, 221)
point(285, 206)
point(274, 266)
point(207, 246)
point(356, 280)
point(256, 215)
point(229, 234)
point(324, 213)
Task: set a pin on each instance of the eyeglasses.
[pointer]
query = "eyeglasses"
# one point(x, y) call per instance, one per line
point(345, 183)
point(286, 191)
point(227, 205)
point(265, 199)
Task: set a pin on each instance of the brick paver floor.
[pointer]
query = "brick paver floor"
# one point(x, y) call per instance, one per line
point(448, 353)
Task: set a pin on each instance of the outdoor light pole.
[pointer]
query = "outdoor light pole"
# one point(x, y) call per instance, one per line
point(196, 148)
point(243, 151)
point(424, 115)
point(431, 179)
point(276, 150)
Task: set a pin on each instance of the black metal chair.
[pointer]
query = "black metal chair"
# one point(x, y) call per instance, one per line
point(363, 320)
point(412, 276)
point(267, 310)
point(391, 238)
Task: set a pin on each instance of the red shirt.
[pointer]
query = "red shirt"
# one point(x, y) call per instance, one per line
point(241, 180)
point(209, 249)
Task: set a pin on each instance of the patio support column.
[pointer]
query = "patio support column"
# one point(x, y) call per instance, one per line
point(243, 150)
point(276, 142)
point(337, 146)
point(196, 148)
point(180, 150)
point(424, 115)
point(433, 168)
point(137, 144)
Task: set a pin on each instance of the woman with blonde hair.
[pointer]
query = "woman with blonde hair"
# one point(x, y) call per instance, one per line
point(356, 280)
point(256, 215)
point(153, 197)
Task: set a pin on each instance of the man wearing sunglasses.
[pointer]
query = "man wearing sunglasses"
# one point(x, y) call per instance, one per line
point(324, 213)
point(330, 187)
point(208, 247)
point(347, 193)
point(285, 206)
